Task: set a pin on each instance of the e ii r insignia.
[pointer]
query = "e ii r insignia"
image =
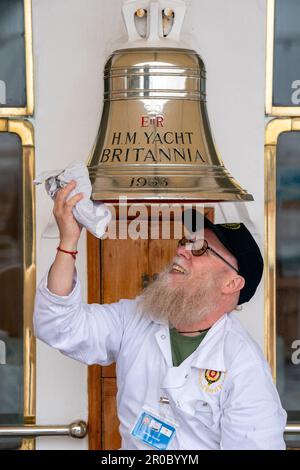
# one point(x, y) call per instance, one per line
point(211, 380)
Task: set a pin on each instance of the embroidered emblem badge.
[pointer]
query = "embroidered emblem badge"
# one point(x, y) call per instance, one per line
point(232, 226)
point(212, 376)
point(211, 380)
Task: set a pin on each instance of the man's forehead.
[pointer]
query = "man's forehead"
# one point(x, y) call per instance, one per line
point(209, 233)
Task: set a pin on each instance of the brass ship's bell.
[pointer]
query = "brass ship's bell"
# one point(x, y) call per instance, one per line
point(154, 142)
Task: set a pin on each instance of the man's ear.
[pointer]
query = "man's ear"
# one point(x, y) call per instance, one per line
point(233, 284)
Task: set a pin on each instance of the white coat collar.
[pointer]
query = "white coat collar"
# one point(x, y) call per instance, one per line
point(209, 354)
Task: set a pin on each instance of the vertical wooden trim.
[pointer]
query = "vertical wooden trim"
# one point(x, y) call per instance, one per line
point(94, 372)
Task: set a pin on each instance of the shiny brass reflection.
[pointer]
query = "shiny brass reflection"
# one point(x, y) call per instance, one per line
point(141, 13)
point(168, 12)
point(154, 141)
point(273, 131)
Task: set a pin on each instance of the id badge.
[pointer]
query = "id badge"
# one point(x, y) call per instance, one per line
point(155, 430)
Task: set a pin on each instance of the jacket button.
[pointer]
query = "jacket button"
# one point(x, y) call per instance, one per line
point(163, 336)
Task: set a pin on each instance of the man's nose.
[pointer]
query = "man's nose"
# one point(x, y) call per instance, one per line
point(185, 252)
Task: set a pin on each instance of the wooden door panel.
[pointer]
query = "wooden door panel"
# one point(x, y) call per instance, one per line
point(94, 372)
point(111, 437)
point(123, 262)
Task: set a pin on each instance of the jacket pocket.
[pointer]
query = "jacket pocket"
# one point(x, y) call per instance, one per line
point(204, 413)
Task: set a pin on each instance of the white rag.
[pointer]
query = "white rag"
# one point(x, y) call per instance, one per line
point(94, 216)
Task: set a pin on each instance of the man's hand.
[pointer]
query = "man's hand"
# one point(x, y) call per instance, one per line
point(69, 228)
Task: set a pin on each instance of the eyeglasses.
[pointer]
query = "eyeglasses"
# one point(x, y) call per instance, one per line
point(200, 246)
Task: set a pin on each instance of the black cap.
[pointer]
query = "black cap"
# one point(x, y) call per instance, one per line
point(239, 241)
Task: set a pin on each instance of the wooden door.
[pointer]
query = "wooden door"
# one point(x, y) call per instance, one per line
point(118, 269)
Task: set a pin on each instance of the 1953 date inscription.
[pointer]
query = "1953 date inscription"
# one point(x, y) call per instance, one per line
point(153, 182)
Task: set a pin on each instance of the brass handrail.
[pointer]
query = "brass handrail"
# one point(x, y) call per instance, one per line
point(292, 428)
point(77, 430)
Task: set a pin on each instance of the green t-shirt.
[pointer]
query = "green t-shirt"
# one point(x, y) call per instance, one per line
point(183, 346)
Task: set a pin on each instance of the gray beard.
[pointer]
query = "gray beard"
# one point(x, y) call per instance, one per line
point(183, 305)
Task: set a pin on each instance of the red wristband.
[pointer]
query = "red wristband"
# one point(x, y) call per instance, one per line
point(72, 253)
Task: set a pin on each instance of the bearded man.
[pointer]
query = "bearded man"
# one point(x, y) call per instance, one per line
point(189, 376)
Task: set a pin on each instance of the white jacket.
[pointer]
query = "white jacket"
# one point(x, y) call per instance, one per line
point(238, 409)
